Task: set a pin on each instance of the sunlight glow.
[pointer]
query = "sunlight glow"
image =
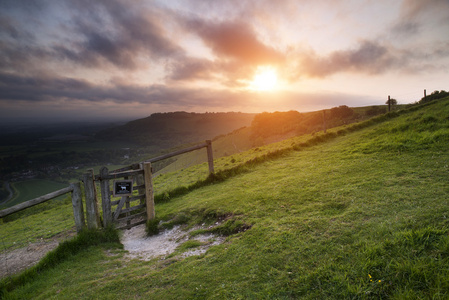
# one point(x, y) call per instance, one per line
point(265, 79)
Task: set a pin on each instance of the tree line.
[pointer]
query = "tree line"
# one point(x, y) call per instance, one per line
point(435, 95)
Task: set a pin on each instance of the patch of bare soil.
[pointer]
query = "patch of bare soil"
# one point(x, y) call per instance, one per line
point(17, 260)
point(135, 241)
point(141, 246)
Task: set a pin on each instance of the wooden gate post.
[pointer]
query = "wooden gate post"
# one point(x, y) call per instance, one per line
point(149, 192)
point(92, 216)
point(140, 181)
point(77, 203)
point(210, 156)
point(105, 197)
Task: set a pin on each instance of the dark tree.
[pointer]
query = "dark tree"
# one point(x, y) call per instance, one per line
point(392, 102)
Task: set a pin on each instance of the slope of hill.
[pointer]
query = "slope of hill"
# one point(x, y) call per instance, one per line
point(360, 212)
point(166, 130)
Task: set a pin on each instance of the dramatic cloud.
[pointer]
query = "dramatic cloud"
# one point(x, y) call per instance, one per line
point(192, 69)
point(118, 34)
point(21, 88)
point(416, 15)
point(195, 54)
point(235, 40)
point(369, 57)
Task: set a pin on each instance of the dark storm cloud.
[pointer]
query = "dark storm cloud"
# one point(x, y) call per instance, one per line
point(8, 27)
point(26, 88)
point(191, 68)
point(91, 34)
point(116, 33)
point(23, 59)
point(18, 47)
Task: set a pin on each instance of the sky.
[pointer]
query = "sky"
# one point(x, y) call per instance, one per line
point(120, 60)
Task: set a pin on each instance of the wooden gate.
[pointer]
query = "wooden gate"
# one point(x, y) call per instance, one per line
point(127, 196)
point(125, 210)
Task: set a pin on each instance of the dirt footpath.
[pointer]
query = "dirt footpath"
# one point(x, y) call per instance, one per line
point(135, 241)
point(17, 260)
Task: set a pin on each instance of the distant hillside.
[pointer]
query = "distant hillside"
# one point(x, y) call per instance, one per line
point(166, 130)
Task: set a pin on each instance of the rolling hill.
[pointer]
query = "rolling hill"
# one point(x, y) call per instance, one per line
point(360, 212)
point(166, 130)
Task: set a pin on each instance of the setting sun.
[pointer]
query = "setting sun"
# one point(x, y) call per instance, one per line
point(265, 79)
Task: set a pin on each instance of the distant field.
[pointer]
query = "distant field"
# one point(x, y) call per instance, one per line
point(30, 189)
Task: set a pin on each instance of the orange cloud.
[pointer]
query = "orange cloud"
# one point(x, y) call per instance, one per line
point(235, 40)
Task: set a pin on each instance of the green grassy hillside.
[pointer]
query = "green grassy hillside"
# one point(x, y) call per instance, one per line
point(361, 212)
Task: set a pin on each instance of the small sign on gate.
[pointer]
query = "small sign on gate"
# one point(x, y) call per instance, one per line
point(123, 188)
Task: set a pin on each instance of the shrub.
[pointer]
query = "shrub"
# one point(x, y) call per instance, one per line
point(152, 227)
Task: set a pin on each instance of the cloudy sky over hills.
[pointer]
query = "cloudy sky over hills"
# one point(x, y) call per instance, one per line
point(81, 60)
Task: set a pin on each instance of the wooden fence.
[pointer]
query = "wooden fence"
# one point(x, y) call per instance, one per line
point(74, 189)
point(126, 213)
point(207, 144)
point(126, 208)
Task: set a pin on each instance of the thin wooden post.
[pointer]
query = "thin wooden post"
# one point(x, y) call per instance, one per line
point(92, 215)
point(389, 104)
point(105, 198)
point(97, 211)
point(77, 203)
point(149, 192)
point(127, 205)
point(140, 181)
point(210, 156)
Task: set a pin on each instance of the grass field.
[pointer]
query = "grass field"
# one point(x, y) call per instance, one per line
point(359, 213)
point(30, 189)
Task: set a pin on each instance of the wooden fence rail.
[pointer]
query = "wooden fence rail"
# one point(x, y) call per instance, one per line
point(207, 144)
point(74, 188)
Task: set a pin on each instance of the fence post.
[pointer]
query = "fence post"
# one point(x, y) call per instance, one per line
point(105, 197)
point(77, 203)
point(149, 192)
point(210, 156)
point(140, 181)
point(91, 201)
